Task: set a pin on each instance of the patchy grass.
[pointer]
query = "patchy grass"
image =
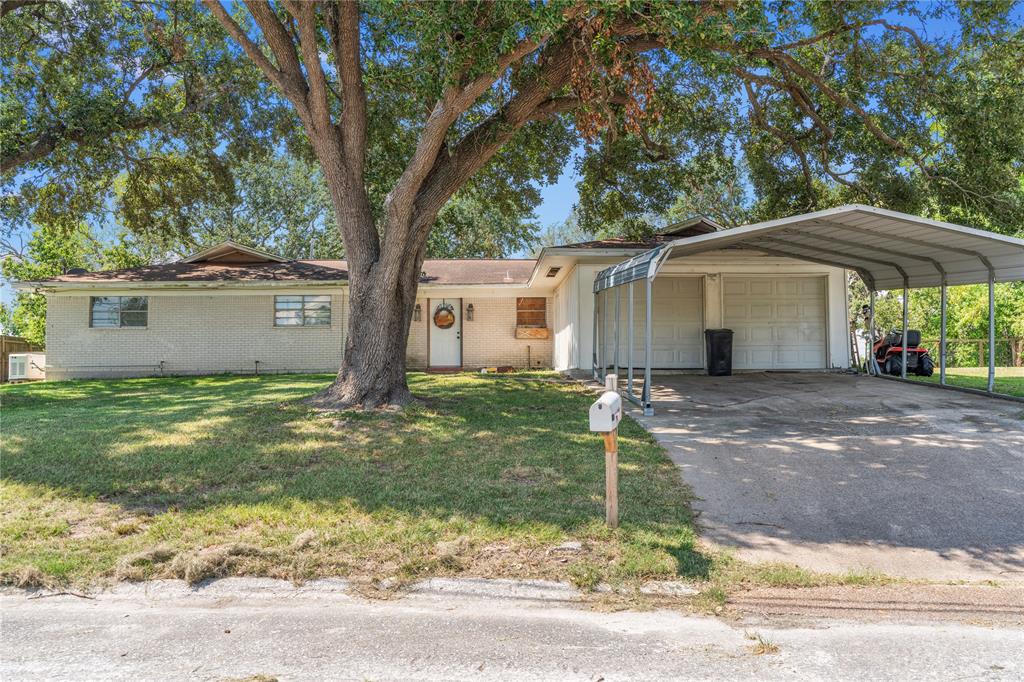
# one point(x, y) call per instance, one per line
point(211, 476)
point(1009, 380)
point(728, 575)
point(761, 645)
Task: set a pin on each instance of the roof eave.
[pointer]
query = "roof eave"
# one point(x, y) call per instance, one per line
point(45, 286)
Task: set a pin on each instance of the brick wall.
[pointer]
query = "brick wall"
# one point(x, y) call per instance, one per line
point(190, 334)
point(490, 339)
point(228, 333)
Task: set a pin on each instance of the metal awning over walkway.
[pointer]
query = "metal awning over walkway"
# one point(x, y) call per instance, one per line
point(890, 250)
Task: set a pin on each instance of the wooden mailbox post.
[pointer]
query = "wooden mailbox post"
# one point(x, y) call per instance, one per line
point(605, 415)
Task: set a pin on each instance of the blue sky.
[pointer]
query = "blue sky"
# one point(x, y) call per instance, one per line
point(557, 200)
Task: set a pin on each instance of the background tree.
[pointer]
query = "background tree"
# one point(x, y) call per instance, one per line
point(104, 91)
point(53, 251)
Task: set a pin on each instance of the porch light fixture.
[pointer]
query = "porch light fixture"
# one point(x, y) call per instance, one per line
point(469, 312)
point(416, 312)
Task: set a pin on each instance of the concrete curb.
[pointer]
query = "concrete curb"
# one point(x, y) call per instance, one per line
point(544, 591)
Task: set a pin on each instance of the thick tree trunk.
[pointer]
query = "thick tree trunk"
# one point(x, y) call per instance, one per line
point(373, 372)
point(382, 286)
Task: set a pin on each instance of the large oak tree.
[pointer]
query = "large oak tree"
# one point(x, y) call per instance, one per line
point(477, 73)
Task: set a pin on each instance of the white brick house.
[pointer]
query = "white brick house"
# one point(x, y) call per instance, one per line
point(236, 309)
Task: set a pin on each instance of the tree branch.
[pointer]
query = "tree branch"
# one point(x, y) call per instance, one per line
point(318, 94)
point(43, 144)
point(455, 101)
point(251, 49)
point(8, 6)
point(343, 25)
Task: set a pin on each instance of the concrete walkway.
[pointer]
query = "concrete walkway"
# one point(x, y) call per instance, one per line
point(241, 629)
point(846, 473)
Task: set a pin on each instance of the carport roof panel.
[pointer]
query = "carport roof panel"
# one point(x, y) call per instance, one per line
point(882, 245)
point(639, 267)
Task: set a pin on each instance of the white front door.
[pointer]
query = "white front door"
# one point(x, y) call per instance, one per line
point(445, 336)
point(778, 322)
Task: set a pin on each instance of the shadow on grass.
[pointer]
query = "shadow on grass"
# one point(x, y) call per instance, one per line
point(511, 458)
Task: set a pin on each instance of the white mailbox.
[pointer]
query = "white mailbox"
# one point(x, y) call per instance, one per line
point(606, 412)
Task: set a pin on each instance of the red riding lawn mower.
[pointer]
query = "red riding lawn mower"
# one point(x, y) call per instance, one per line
point(888, 352)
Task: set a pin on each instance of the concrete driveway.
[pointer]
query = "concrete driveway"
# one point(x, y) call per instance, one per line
point(845, 473)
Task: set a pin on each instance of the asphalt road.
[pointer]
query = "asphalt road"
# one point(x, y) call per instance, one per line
point(291, 635)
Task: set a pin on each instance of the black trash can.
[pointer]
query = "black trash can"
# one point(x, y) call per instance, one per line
point(718, 343)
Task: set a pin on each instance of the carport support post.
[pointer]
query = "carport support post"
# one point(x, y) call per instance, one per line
point(593, 340)
point(903, 340)
point(648, 342)
point(618, 320)
point(604, 334)
point(991, 332)
point(629, 340)
point(942, 332)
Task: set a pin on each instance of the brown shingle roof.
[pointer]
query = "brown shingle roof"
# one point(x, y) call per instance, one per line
point(291, 271)
point(459, 271)
point(623, 243)
point(691, 227)
point(464, 270)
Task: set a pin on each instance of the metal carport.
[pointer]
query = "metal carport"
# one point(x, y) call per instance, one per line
point(889, 250)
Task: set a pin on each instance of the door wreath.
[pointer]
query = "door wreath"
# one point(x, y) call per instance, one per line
point(444, 315)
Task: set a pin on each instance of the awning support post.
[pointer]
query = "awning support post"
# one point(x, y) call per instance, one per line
point(629, 340)
point(903, 340)
point(593, 339)
point(618, 323)
point(942, 332)
point(648, 408)
point(991, 332)
point(604, 334)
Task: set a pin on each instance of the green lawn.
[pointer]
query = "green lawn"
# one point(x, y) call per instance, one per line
point(1009, 380)
point(196, 477)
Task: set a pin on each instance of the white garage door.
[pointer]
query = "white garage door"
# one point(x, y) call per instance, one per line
point(678, 314)
point(779, 322)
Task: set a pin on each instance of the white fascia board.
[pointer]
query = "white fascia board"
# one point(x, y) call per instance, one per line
point(582, 253)
point(54, 287)
point(484, 290)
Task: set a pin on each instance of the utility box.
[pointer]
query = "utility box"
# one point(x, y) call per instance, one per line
point(606, 412)
point(26, 366)
point(718, 343)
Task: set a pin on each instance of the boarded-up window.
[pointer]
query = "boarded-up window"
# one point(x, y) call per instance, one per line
point(531, 312)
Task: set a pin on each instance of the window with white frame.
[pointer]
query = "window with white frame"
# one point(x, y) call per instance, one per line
point(302, 311)
point(111, 312)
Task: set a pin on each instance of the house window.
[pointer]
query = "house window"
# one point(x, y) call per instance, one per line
point(118, 311)
point(531, 312)
point(302, 311)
